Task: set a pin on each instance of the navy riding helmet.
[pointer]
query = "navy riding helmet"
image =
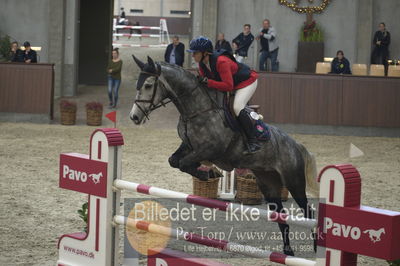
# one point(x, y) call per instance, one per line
point(200, 44)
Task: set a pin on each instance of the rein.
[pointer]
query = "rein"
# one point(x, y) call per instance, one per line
point(173, 98)
point(151, 101)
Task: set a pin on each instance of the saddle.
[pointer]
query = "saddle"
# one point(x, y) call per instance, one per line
point(261, 129)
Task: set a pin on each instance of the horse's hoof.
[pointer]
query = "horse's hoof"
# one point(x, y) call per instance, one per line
point(202, 176)
point(287, 250)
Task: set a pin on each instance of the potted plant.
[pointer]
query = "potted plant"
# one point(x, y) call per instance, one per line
point(94, 113)
point(310, 47)
point(394, 263)
point(83, 214)
point(5, 46)
point(68, 112)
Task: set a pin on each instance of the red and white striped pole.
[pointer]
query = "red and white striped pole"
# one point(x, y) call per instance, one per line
point(212, 242)
point(137, 35)
point(271, 216)
point(137, 27)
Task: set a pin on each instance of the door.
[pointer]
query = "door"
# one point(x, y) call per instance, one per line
point(95, 40)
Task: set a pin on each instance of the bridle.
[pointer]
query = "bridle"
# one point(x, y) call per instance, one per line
point(172, 98)
point(151, 101)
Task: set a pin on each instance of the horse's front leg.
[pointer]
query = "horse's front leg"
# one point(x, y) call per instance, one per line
point(190, 164)
point(179, 154)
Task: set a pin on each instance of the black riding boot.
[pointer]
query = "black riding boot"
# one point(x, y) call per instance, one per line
point(248, 128)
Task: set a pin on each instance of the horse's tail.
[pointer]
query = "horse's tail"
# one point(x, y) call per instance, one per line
point(310, 171)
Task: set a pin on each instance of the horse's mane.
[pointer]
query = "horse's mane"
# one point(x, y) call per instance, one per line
point(179, 71)
point(184, 80)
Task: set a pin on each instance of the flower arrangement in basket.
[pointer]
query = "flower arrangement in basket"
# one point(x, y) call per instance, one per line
point(94, 113)
point(310, 32)
point(247, 190)
point(209, 188)
point(68, 112)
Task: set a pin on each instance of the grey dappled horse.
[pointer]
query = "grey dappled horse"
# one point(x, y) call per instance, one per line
point(206, 137)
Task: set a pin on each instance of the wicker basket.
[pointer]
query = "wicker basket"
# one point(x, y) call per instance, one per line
point(68, 117)
point(93, 117)
point(247, 191)
point(208, 189)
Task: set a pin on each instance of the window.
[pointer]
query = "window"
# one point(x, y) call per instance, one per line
point(180, 12)
point(136, 10)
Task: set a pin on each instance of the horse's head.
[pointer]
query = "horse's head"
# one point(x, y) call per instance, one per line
point(150, 91)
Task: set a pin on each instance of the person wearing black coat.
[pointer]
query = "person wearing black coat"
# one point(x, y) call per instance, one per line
point(16, 54)
point(381, 42)
point(29, 55)
point(242, 43)
point(222, 43)
point(340, 65)
point(175, 53)
point(122, 13)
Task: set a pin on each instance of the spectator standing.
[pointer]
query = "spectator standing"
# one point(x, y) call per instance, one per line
point(381, 42)
point(122, 18)
point(175, 53)
point(242, 43)
point(122, 15)
point(29, 55)
point(16, 54)
point(222, 43)
point(340, 64)
point(269, 46)
point(114, 77)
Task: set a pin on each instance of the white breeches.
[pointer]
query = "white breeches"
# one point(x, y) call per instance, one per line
point(243, 96)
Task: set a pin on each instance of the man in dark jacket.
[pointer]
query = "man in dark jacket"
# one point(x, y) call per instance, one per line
point(222, 43)
point(243, 42)
point(29, 54)
point(175, 53)
point(381, 42)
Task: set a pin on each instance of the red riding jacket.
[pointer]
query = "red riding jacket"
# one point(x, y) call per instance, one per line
point(226, 69)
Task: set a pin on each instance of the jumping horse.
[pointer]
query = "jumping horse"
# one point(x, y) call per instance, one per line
point(206, 136)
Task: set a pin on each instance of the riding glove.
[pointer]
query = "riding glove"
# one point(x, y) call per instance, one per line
point(202, 80)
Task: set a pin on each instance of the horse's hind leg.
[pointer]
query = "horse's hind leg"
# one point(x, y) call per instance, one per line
point(270, 185)
point(299, 195)
point(295, 181)
point(296, 184)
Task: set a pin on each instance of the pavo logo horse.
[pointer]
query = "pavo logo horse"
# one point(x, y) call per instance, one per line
point(375, 235)
point(96, 177)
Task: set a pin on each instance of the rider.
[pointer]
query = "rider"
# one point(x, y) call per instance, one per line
point(219, 70)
